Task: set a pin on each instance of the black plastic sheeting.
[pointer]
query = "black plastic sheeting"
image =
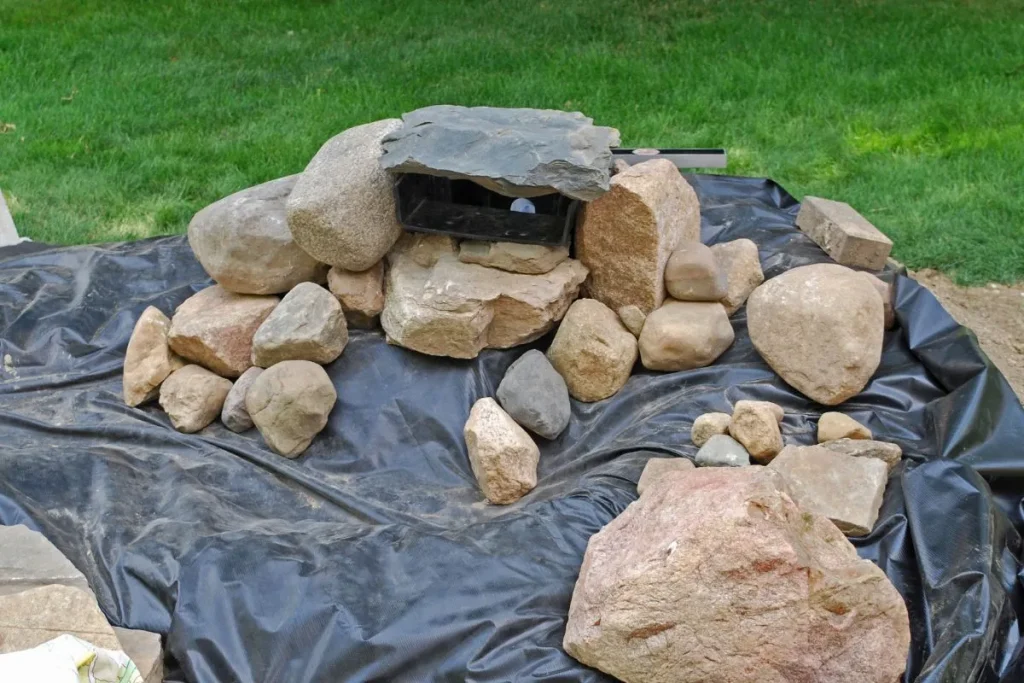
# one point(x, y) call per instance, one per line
point(372, 558)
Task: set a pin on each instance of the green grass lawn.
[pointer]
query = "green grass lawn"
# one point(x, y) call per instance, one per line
point(120, 119)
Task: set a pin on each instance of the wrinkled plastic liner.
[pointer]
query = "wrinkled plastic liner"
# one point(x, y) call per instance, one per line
point(372, 556)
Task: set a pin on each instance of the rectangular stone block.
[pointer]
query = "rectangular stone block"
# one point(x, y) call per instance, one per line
point(845, 235)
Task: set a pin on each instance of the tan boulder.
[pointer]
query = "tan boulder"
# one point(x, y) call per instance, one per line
point(308, 324)
point(820, 327)
point(342, 209)
point(530, 259)
point(885, 290)
point(832, 426)
point(625, 236)
point(502, 455)
point(889, 453)
point(361, 295)
point(716, 575)
point(289, 403)
point(707, 425)
point(633, 318)
point(592, 351)
point(755, 424)
point(424, 249)
point(193, 397)
point(693, 274)
point(214, 328)
point(148, 360)
point(656, 468)
point(683, 335)
point(458, 309)
point(741, 264)
point(846, 489)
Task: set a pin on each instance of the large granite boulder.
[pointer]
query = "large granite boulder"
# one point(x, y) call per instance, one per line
point(308, 324)
point(244, 243)
point(193, 397)
point(535, 395)
point(626, 236)
point(457, 309)
point(289, 403)
point(683, 335)
point(342, 209)
point(592, 351)
point(656, 468)
point(214, 328)
point(502, 455)
point(517, 152)
point(148, 360)
point(715, 575)
point(820, 327)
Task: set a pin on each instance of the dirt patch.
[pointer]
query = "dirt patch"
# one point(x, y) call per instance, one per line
point(996, 315)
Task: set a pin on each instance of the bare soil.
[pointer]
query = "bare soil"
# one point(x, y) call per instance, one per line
point(995, 313)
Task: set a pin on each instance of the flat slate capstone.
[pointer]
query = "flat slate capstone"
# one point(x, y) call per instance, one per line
point(515, 152)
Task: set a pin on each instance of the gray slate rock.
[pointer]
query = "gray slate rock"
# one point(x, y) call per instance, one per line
point(722, 451)
point(234, 414)
point(308, 324)
point(535, 395)
point(517, 152)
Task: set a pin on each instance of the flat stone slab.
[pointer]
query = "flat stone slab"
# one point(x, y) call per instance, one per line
point(515, 152)
point(845, 235)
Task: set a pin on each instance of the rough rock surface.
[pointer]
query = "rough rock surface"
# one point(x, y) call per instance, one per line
point(707, 425)
point(361, 295)
point(214, 328)
point(889, 453)
point(682, 335)
point(741, 264)
point(535, 395)
point(885, 290)
point(820, 327)
point(843, 233)
point(626, 236)
point(244, 243)
point(289, 404)
point(633, 318)
point(530, 259)
point(832, 426)
point(234, 414)
point(517, 152)
point(715, 575)
point(592, 351)
point(308, 324)
point(423, 249)
point(755, 424)
point(846, 489)
point(503, 456)
point(656, 468)
point(693, 274)
point(722, 450)
point(193, 397)
point(148, 360)
point(342, 209)
point(458, 309)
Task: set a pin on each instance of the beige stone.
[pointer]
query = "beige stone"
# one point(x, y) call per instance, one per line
point(889, 453)
point(683, 335)
point(716, 575)
point(633, 318)
point(458, 309)
point(845, 235)
point(342, 209)
point(423, 249)
point(502, 455)
point(832, 426)
point(214, 328)
point(656, 468)
point(148, 360)
point(530, 259)
point(846, 489)
point(619, 165)
point(234, 415)
point(592, 351)
point(740, 263)
point(290, 403)
point(625, 236)
point(193, 397)
point(707, 425)
point(755, 424)
point(820, 327)
point(308, 324)
point(244, 243)
point(693, 274)
point(361, 295)
point(885, 290)
point(36, 615)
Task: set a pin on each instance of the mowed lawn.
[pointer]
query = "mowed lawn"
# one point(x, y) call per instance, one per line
point(120, 119)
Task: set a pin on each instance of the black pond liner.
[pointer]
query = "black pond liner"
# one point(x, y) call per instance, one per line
point(372, 558)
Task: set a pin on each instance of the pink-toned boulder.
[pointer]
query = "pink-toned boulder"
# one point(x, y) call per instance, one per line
point(148, 360)
point(715, 576)
point(361, 295)
point(656, 468)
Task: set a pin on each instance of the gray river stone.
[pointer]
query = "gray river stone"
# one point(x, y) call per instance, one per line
point(722, 451)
